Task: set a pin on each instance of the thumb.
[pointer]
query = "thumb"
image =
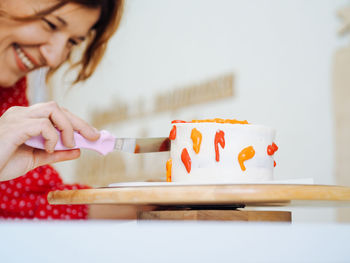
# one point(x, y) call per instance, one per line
point(42, 157)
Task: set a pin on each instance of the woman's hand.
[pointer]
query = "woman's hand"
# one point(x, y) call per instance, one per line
point(18, 124)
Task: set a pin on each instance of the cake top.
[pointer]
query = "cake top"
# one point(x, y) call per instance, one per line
point(216, 120)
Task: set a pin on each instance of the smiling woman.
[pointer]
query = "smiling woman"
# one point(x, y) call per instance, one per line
point(35, 34)
point(47, 31)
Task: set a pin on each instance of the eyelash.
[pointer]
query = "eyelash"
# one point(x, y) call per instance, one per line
point(54, 27)
point(50, 24)
point(73, 42)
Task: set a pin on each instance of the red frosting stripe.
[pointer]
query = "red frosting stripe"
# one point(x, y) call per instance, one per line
point(178, 121)
point(274, 147)
point(172, 135)
point(185, 157)
point(271, 149)
point(219, 139)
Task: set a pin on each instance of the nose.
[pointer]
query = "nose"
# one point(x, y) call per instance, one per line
point(55, 50)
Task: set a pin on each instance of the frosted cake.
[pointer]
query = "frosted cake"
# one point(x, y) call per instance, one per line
point(220, 151)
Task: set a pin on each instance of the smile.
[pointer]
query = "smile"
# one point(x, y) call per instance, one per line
point(24, 58)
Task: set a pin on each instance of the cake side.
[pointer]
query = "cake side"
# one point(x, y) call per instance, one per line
point(221, 152)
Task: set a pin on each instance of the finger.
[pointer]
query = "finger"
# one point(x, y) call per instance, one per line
point(15, 112)
point(83, 127)
point(49, 133)
point(64, 125)
point(59, 119)
point(41, 157)
point(35, 127)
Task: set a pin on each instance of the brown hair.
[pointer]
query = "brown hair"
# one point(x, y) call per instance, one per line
point(102, 31)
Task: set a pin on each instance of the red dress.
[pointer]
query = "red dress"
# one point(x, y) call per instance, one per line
point(26, 196)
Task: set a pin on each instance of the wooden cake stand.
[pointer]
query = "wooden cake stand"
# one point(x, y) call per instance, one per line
point(209, 202)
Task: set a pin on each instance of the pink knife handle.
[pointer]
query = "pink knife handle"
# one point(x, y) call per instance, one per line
point(104, 145)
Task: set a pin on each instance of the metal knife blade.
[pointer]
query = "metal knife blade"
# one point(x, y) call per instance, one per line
point(142, 145)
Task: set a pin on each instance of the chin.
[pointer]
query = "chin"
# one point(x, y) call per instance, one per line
point(8, 82)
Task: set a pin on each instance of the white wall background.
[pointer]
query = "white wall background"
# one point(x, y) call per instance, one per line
point(279, 51)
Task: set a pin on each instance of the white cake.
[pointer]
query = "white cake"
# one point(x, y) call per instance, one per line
point(221, 151)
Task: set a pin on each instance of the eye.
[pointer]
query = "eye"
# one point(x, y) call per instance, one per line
point(50, 24)
point(73, 42)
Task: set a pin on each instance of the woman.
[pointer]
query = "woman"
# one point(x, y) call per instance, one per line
point(34, 34)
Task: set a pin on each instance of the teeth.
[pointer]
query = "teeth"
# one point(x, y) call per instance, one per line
point(26, 61)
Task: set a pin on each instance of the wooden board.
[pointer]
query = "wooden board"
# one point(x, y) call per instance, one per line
point(247, 194)
point(217, 215)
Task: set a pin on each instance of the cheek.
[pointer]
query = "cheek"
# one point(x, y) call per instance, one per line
point(29, 35)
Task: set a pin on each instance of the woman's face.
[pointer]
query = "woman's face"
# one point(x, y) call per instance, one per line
point(47, 42)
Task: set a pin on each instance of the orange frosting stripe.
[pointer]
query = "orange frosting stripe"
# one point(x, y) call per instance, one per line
point(219, 139)
point(185, 157)
point(169, 164)
point(196, 137)
point(246, 154)
point(218, 120)
point(137, 148)
point(172, 135)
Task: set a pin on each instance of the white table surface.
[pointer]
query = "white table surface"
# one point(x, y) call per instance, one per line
point(166, 242)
